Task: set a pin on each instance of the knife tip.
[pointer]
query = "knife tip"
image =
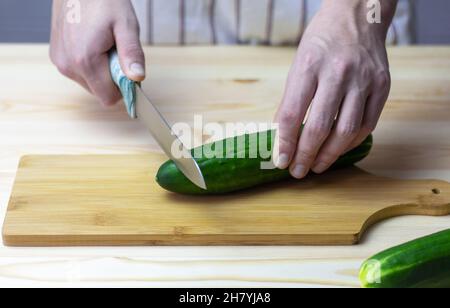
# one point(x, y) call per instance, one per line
point(202, 184)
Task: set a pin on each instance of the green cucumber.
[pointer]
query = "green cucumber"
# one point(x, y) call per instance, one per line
point(422, 263)
point(225, 175)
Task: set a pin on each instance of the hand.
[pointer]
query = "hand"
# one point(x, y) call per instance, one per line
point(341, 73)
point(80, 51)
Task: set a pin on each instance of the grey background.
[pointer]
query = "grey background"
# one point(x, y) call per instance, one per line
point(25, 20)
point(29, 21)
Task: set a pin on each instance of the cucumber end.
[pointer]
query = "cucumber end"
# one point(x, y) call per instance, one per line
point(170, 178)
point(370, 274)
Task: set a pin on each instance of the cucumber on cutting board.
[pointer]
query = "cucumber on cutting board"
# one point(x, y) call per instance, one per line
point(422, 263)
point(225, 175)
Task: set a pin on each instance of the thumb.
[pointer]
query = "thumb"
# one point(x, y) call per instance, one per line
point(131, 55)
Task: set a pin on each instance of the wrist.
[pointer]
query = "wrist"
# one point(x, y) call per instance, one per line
point(371, 18)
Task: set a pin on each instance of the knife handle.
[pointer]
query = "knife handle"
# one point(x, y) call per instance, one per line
point(127, 87)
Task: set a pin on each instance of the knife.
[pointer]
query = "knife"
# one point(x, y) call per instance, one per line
point(140, 107)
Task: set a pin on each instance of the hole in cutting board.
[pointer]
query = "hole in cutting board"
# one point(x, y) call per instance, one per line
point(436, 191)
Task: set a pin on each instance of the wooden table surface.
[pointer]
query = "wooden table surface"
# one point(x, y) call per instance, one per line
point(43, 113)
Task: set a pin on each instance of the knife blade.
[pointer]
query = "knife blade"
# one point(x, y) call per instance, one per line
point(147, 113)
point(140, 107)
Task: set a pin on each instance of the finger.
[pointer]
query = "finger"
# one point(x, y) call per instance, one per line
point(346, 129)
point(291, 113)
point(96, 74)
point(75, 77)
point(323, 112)
point(82, 83)
point(131, 55)
point(369, 123)
point(374, 108)
point(65, 68)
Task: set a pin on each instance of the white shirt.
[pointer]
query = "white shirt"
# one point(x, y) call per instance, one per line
point(271, 22)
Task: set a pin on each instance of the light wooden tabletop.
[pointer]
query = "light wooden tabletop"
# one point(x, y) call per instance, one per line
point(43, 113)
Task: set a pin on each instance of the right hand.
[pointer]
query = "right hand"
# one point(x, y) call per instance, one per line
point(80, 51)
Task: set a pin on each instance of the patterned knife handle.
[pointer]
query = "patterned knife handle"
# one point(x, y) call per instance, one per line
point(127, 87)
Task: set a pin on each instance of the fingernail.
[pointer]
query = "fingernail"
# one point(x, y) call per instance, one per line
point(320, 168)
point(137, 69)
point(283, 161)
point(299, 171)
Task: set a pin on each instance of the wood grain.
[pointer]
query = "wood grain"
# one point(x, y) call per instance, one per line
point(115, 201)
point(45, 113)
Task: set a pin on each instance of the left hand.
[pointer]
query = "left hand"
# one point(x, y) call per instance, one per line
point(341, 73)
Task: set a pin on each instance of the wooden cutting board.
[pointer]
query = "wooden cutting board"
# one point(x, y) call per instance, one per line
point(114, 200)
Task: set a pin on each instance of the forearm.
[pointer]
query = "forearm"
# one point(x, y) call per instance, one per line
point(57, 5)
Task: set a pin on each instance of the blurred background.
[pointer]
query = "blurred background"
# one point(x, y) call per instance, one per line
point(28, 21)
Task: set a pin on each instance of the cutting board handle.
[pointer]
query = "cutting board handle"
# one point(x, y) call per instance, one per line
point(432, 198)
